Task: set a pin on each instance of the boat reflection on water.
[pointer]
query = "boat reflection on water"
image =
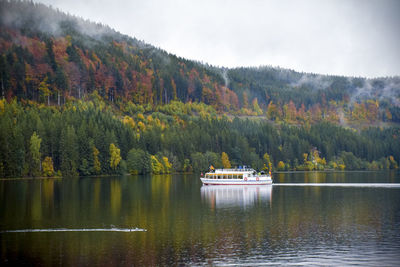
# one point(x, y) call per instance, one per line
point(220, 196)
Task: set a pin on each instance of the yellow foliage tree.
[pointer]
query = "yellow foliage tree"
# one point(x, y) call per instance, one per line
point(141, 126)
point(35, 154)
point(225, 160)
point(281, 166)
point(268, 163)
point(2, 102)
point(333, 165)
point(393, 163)
point(129, 121)
point(305, 156)
point(96, 162)
point(156, 166)
point(315, 154)
point(47, 166)
point(167, 165)
point(273, 112)
point(115, 156)
point(44, 88)
point(256, 107)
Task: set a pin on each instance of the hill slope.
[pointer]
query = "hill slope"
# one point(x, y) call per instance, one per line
point(48, 56)
point(78, 98)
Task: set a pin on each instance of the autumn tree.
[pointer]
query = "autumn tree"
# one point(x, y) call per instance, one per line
point(115, 156)
point(45, 90)
point(47, 165)
point(267, 162)
point(225, 160)
point(35, 154)
point(156, 166)
point(393, 163)
point(281, 166)
point(96, 161)
point(273, 112)
point(256, 107)
point(167, 165)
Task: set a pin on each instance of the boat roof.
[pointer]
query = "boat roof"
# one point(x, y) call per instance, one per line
point(235, 170)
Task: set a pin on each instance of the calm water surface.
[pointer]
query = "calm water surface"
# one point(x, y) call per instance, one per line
point(87, 221)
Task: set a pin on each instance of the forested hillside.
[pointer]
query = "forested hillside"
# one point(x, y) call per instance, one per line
point(79, 98)
point(48, 57)
point(89, 138)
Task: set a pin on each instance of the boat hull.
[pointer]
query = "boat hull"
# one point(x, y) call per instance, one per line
point(206, 181)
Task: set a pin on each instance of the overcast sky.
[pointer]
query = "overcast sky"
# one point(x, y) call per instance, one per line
point(343, 37)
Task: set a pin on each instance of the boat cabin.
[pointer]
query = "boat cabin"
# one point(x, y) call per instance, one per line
point(237, 173)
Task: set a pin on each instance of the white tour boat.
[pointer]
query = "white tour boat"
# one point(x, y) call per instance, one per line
point(239, 176)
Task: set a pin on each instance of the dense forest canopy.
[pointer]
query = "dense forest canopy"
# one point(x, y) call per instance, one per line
point(81, 98)
point(89, 138)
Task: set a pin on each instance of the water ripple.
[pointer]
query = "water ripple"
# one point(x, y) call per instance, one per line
point(75, 230)
point(377, 185)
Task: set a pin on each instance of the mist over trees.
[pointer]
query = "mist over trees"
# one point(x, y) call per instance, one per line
point(48, 56)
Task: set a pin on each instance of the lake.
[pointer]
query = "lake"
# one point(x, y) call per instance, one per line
point(172, 220)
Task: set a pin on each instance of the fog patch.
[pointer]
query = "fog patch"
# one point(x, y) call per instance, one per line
point(314, 81)
point(225, 77)
point(380, 89)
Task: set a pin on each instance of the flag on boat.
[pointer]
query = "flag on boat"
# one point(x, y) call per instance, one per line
point(211, 167)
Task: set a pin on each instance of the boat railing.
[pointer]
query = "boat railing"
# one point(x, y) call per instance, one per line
point(235, 169)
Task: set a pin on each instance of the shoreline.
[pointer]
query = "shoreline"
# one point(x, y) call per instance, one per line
point(182, 173)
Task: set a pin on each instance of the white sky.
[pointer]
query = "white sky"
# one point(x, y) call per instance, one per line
point(343, 37)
